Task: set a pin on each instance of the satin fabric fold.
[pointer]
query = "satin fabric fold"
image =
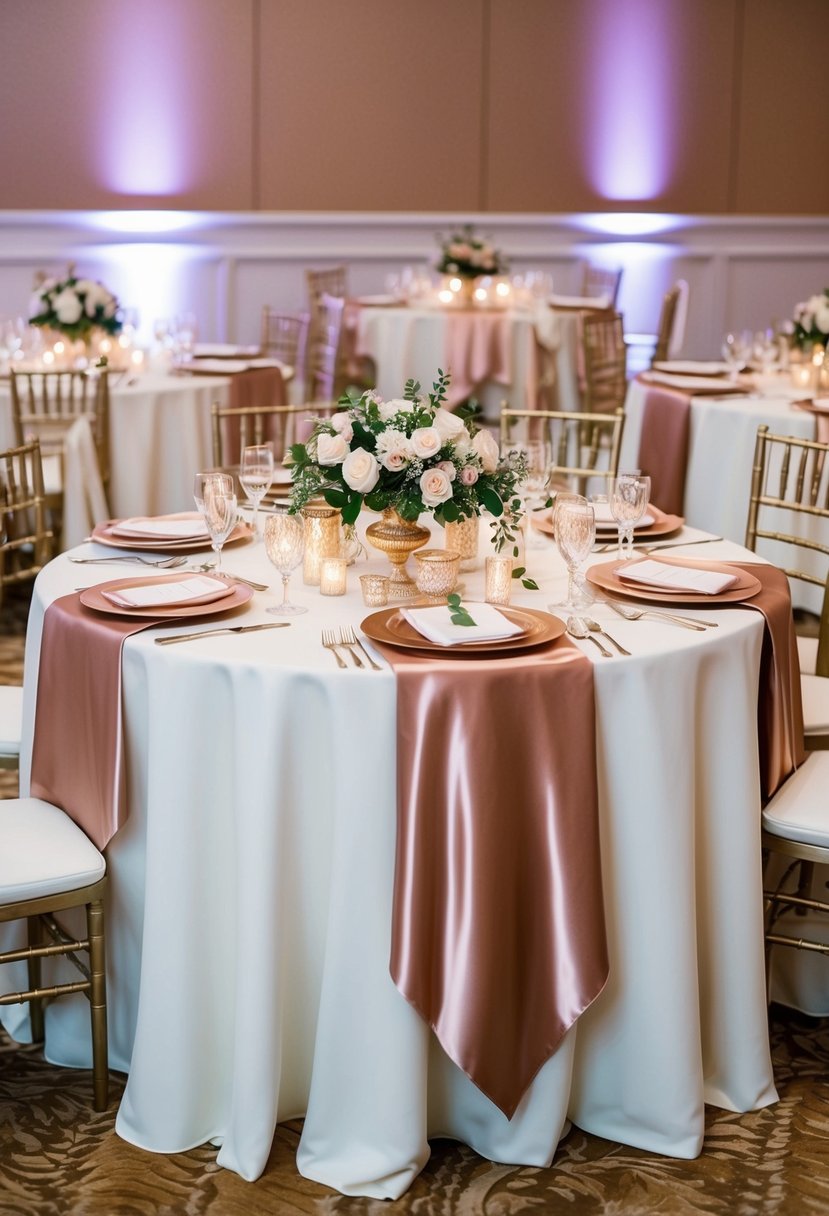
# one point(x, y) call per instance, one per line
point(257, 386)
point(663, 446)
point(821, 419)
point(76, 749)
point(478, 348)
point(779, 704)
point(498, 934)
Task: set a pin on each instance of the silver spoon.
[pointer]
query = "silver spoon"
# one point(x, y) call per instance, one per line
point(166, 563)
point(595, 627)
point(578, 629)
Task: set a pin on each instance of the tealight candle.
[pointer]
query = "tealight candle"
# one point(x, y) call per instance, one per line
point(322, 539)
point(498, 578)
point(332, 575)
point(375, 588)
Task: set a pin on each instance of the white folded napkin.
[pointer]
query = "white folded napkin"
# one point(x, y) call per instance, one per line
point(200, 589)
point(693, 367)
point(703, 383)
point(579, 301)
point(229, 367)
point(224, 350)
point(162, 527)
point(662, 575)
point(435, 624)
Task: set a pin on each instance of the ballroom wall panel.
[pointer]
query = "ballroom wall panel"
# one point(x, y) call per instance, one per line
point(370, 104)
point(688, 106)
point(598, 103)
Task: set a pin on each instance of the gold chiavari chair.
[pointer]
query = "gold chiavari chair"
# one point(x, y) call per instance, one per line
point(789, 506)
point(285, 337)
point(324, 348)
point(584, 447)
point(667, 323)
point(46, 404)
point(598, 282)
point(605, 362)
point(330, 282)
point(48, 865)
point(279, 425)
point(26, 541)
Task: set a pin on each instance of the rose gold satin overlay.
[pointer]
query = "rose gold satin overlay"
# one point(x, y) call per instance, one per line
point(663, 446)
point(779, 705)
point(498, 935)
point(256, 386)
point(76, 753)
point(478, 348)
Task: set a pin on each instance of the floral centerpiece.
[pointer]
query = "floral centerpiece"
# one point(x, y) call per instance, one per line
point(74, 307)
point(811, 321)
point(405, 457)
point(467, 256)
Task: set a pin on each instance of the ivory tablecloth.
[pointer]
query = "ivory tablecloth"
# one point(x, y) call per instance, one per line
point(261, 791)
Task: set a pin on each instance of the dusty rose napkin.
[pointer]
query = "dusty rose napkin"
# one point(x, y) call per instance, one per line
point(477, 348)
point(498, 934)
point(663, 446)
point(260, 386)
point(821, 417)
point(76, 752)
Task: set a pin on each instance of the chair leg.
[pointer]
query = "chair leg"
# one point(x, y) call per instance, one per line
point(36, 1005)
point(98, 1004)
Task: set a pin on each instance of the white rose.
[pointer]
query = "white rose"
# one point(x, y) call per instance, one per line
point(426, 441)
point(331, 449)
point(487, 449)
point(342, 425)
point(822, 318)
point(361, 471)
point(396, 406)
point(448, 425)
point(68, 307)
point(394, 450)
point(435, 487)
point(463, 445)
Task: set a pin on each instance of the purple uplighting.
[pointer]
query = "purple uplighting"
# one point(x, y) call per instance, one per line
point(630, 122)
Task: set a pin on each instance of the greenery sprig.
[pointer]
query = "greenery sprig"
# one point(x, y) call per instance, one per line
point(458, 615)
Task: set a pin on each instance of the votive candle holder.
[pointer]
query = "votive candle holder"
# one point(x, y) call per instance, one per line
point(375, 589)
point(498, 578)
point(437, 572)
point(333, 576)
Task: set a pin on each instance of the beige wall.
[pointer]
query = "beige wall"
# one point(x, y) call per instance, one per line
point(691, 106)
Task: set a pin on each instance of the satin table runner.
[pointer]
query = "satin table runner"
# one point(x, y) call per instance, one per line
point(76, 750)
point(663, 446)
point(779, 706)
point(498, 935)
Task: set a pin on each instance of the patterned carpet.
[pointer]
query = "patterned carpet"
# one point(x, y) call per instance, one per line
point(59, 1158)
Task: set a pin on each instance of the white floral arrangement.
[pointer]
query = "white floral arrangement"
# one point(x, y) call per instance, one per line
point(811, 320)
point(466, 255)
point(411, 454)
point(74, 307)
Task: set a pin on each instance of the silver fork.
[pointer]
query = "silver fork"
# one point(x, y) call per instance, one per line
point(349, 638)
point(331, 643)
point(349, 646)
point(167, 563)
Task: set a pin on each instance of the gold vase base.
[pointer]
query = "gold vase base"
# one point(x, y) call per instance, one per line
point(401, 585)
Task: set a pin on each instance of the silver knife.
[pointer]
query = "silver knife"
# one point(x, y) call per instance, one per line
point(210, 633)
point(676, 544)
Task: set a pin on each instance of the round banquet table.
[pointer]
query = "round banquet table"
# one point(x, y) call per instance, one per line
point(251, 888)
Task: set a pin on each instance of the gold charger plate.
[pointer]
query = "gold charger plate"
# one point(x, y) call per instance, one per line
point(390, 627)
point(103, 534)
point(747, 585)
point(663, 525)
point(93, 598)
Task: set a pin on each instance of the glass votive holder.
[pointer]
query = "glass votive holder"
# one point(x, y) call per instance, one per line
point(322, 539)
point(437, 572)
point(375, 589)
point(462, 537)
point(498, 578)
point(333, 575)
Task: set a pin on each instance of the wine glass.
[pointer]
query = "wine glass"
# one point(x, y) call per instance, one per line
point(574, 522)
point(284, 545)
point(629, 495)
point(533, 486)
point(736, 349)
point(256, 475)
point(219, 509)
point(210, 477)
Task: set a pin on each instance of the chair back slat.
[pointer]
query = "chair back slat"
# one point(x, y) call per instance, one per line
point(605, 362)
point(46, 403)
point(584, 446)
point(25, 537)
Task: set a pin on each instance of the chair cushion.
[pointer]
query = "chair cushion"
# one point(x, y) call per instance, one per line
point(815, 691)
point(42, 852)
point(11, 719)
point(807, 654)
point(800, 808)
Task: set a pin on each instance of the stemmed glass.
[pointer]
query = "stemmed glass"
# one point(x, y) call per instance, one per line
point(736, 349)
point(534, 484)
point(285, 545)
point(629, 495)
point(574, 522)
point(256, 475)
point(219, 509)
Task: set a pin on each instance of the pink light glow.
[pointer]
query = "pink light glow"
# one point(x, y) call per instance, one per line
point(631, 122)
point(143, 146)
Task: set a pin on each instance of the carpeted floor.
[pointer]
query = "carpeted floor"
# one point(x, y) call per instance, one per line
point(59, 1158)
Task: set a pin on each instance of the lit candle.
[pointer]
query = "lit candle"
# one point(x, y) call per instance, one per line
point(455, 284)
point(481, 294)
point(332, 576)
point(48, 358)
point(137, 359)
point(498, 578)
point(446, 296)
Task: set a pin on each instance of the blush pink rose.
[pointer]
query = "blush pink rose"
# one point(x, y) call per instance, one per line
point(469, 475)
point(435, 487)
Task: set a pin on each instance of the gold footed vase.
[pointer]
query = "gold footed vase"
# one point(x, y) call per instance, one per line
point(397, 538)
